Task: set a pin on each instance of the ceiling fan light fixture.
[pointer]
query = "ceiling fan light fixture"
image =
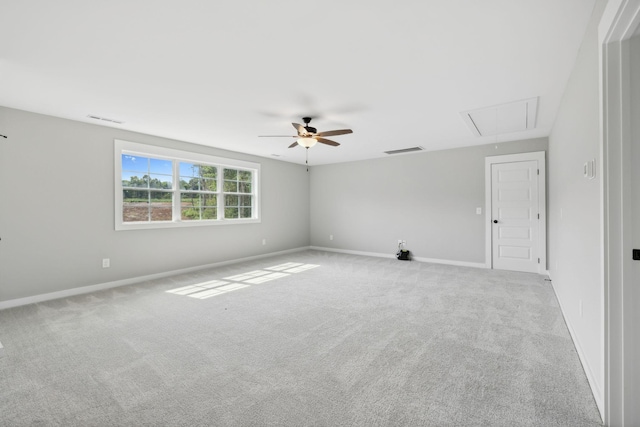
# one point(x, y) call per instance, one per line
point(307, 142)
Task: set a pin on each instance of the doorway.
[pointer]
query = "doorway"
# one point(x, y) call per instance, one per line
point(516, 213)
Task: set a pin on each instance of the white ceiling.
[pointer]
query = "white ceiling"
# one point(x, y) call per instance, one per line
point(222, 72)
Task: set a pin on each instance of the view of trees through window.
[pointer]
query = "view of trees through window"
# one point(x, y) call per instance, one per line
point(198, 191)
point(149, 193)
point(147, 189)
point(237, 183)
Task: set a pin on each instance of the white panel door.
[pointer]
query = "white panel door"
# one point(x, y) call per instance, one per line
point(515, 216)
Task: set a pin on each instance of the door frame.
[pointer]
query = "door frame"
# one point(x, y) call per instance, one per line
point(539, 156)
point(620, 20)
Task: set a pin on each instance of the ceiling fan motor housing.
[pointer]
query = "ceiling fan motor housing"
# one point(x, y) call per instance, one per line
point(308, 128)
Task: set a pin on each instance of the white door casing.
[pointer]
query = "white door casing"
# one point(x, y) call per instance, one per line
point(620, 97)
point(516, 212)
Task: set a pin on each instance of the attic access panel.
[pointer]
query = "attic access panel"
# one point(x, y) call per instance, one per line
point(504, 118)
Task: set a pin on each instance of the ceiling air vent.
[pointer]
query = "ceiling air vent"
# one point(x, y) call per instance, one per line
point(504, 118)
point(104, 119)
point(404, 150)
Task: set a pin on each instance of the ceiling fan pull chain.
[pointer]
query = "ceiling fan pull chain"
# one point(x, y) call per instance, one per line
point(307, 158)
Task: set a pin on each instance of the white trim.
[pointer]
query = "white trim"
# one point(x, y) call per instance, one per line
point(419, 259)
point(538, 156)
point(597, 392)
point(117, 283)
point(619, 22)
point(450, 262)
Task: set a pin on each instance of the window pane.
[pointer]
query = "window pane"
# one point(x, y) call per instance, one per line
point(158, 166)
point(187, 199)
point(231, 212)
point(135, 163)
point(230, 174)
point(245, 212)
point(161, 181)
point(244, 187)
point(245, 201)
point(230, 186)
point(135, 206)
point(208, 171)
point(161, 209)
point(198, 177)
point(210, 199)
point(160, 196)
point(230, 200)
point(135, 196)
point(190, 184)
point(161, 212)
point(189, 214)
point(196, 206)
point(135, 179)
point(209, 213)
point(209, 184)
point(188, 170)
point(244, 176)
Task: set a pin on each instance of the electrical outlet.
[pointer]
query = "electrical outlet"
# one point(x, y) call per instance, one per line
point(106, 263)
point(264, 241)
point(330, 236)
point(478, 211)
point(399, 241)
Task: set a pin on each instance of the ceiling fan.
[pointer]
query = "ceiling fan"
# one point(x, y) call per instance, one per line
point(308, 136)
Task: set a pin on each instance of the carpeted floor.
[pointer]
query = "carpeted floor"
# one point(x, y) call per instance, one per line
point(307, 339)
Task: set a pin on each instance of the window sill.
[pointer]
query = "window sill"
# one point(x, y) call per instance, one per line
point(182, 224)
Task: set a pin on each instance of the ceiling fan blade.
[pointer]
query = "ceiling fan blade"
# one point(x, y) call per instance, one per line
point(326, 141)
point(294, 144)
point(278, 136)
point(335, 132)
point(301, 130)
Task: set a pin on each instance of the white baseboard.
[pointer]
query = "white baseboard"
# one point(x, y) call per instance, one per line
point(419, 259)
point(117, 283)
point(595, 389)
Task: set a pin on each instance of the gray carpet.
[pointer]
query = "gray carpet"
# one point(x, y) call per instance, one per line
point(328, 340)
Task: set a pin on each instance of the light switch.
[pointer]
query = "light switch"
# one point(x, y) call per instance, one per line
point(478, 211)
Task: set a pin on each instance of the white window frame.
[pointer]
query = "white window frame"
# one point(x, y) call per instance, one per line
point(144, 150)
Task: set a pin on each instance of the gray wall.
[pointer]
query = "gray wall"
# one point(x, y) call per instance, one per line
point(57, 211)
point(574, 208)
point(428, 199)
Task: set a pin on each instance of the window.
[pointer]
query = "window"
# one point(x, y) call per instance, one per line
point(160, 187)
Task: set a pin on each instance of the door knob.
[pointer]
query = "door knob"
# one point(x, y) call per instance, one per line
point(495, 221)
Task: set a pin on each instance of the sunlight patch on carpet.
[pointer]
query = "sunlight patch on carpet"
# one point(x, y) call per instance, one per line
point(214, 288)
point(218, 291)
